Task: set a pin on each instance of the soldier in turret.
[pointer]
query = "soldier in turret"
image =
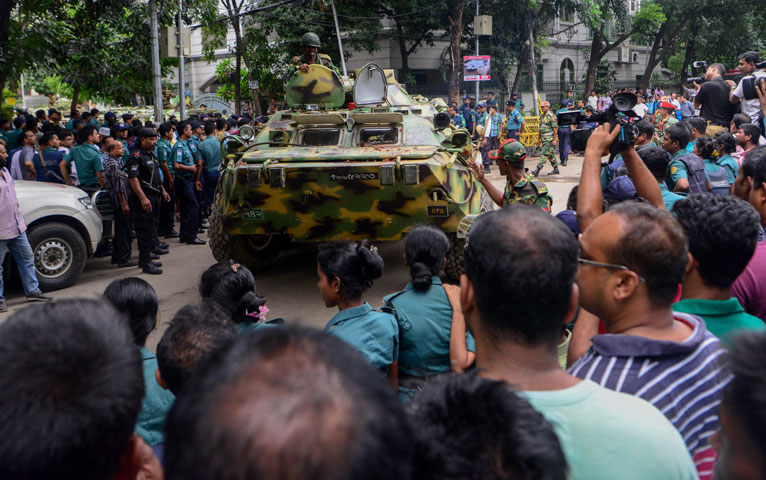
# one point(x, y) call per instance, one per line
point(310, 44)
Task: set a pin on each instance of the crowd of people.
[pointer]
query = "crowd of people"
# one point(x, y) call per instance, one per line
point(623, 338)
point(149, 171)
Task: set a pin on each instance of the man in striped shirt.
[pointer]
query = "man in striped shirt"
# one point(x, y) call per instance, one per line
point(517, 293)
point(632, 260)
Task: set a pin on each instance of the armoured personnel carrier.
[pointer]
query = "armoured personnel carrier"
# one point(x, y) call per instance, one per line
point(343, 162)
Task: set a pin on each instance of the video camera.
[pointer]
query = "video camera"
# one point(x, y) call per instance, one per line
point(620, 113)
point(699, 64)
point(749, 83)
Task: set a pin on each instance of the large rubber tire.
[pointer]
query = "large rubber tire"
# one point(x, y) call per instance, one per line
point(254, 251)
point(455, 264)
point(60, 254)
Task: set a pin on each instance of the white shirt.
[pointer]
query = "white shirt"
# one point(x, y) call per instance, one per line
point(751, 108)
point(640, 109)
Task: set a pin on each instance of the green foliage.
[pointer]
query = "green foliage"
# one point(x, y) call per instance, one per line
point(605, 76)
point(224, 73)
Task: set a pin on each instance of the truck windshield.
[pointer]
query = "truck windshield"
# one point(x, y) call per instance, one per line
point(320, 137)
point(369, 136)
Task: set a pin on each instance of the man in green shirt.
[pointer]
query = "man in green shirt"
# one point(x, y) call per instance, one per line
point(12, 137)
point(87, 159)
point(167, 209)
point(722, 232)
point(75, 114)
point(185, 185)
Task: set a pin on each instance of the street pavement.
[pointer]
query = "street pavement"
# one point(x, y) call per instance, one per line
point(289, 286)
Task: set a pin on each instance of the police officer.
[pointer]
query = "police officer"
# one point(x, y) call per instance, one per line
point(310, 44)
point(144, 197)
point(120, 132)
point(199, 182)
point(549, 139)
point(185, 169)
point(521, 185)
point(514, 122)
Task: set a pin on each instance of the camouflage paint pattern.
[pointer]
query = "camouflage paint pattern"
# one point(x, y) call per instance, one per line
point(343, 191)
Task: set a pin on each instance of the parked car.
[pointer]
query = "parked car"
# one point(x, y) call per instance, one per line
point(63, 229)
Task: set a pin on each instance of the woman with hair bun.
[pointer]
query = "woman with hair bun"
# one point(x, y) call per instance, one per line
point(232, 286)
point(726, 145)
point(432, 333)
point(345, 271)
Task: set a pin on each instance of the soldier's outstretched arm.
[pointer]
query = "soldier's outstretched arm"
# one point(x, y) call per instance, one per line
point(494, 193)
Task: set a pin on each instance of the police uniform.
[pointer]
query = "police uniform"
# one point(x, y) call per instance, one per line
point(528, 190)
point(194, 143)
point(143, 166)
point(185, 191)
point(425, 325)
point(167, 209)
point(547, 125)
point(374, 334)
point(157, 402)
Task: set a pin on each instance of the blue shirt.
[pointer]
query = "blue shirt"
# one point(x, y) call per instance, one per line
point(157, 402)
point(47, 165)
point(668, 197)
point(425, 324)
point(514, 120)
point(495, 122)
point(730, 165)
point(374, 334)
point(210, 150)
point(690, 145)
point(181, 154)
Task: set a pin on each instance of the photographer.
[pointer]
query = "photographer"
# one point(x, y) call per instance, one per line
point(747, 65)
point(713, 100)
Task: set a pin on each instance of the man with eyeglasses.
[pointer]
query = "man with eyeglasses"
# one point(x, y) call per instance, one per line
point(632, 261)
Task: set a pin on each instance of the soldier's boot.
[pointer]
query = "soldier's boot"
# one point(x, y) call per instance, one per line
point(536, 171)
point(555, 171)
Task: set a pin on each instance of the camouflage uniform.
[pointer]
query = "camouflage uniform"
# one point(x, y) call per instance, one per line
point(547, 124)
point(661, 127)
point(528, 190)
point(322, 59)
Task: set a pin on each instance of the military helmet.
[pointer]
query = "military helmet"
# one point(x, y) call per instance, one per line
point(510, 151)
point(311, 39)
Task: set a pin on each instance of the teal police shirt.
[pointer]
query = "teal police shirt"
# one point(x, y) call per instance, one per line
point(183, 155)
point(249, 326)
point(87, 160)
point(730, 165)
point(194, 147)
point(210, 150)
point(163, 153)
point(668, 198)
point(374, 334)
point(150, 424)
point(425, 323)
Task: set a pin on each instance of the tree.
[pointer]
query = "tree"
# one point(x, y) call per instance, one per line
point(610, 26)
point(455, 58)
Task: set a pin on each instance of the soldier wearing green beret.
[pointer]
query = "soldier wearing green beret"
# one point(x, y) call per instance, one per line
point(310, 44)
point(521, 185)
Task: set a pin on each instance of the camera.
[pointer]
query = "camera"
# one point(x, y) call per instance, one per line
point(619, 114)
point(699, 64)
point(749, 83)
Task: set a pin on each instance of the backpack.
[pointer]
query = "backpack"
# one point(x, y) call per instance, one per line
point(695, 169)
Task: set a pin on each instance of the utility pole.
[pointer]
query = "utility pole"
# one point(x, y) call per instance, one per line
point(156, 73)
point(477, 52)
point(181, 66)
point(340, 42)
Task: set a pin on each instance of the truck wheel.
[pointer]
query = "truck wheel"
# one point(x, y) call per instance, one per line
point(59, 254)
point(455, 258)
point(254, 251)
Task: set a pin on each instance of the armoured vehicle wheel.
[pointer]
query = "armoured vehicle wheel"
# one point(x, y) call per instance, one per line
point(455, 259)
point(254, 251)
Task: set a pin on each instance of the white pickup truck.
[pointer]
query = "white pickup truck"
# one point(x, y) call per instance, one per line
point(63, 229)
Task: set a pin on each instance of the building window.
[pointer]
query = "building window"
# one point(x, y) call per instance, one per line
point(566, 15)
point(634, 6)
point(566, 75)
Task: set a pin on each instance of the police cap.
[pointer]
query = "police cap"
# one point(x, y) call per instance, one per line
point(147, 132)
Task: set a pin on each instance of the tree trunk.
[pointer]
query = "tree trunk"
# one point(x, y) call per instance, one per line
point(688, 55)
point(75, 96)
point(593, 61)
point(3, 76)
point(652, 61)
point(519, 69)
point(456, 29)
point(405, 70)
